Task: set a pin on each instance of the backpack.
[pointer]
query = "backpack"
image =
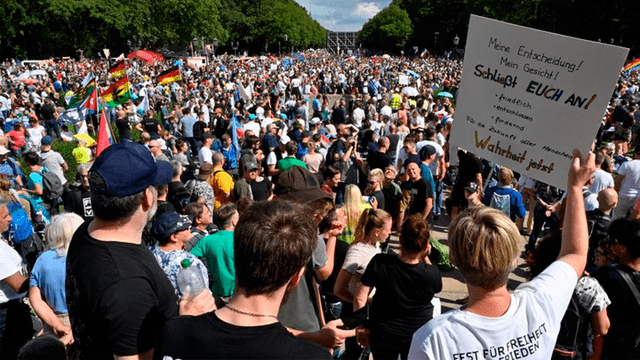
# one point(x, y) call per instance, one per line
point(51, 187)
point(21, 227)
point(571, 343)
point(501, 202)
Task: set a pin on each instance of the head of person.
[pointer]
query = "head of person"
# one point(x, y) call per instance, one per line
point(199, 212)
point(505, 176)
point(625, 237)
point(207, 139)
point(46, 143)
point(413, 170)
point(471, 191)
point(427, 153)
point(484, 244)
point(375, 180)
point(60, 230)
point(414, 236)
point(273, 242)
point(373, 226)
point(154, 147)
point(5, 215)
point(636, 152)
point(292, 148)
point(607, 199)
point(181, 146)
point(218, 160)
point(299, 185)
point(31, 158)
point(332, 176)
point(409, 145)
point(172, 228)
point(251, 170)
point(226, 140)
point(390, 173)
point(605, 254)
point(544, 254)
point(123, 182)
point(228, 216)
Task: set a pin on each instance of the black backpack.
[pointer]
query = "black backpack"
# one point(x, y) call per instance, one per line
point(52, 187)
point(571, 342)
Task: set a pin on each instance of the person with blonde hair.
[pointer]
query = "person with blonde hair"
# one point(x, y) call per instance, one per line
point(484, 245)
point(504, 197)
point(354, 205)
point(47, 293)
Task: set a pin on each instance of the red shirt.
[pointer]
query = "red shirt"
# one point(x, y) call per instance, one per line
point(17, 139)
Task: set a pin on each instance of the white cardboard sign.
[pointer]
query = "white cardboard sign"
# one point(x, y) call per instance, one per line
point(529, 97)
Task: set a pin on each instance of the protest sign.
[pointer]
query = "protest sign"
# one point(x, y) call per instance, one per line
point(529, 97)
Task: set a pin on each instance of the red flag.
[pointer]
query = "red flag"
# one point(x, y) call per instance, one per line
point(104, 135)
point(91, 102)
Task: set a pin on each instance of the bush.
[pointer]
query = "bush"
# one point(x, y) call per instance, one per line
point(65, 150)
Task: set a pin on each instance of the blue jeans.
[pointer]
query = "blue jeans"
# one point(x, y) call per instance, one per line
point(438, 204)
point(52, 128)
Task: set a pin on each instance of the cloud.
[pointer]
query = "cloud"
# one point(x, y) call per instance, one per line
point(366, 10)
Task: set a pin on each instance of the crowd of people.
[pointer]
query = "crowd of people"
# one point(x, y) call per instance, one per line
point(281, 181)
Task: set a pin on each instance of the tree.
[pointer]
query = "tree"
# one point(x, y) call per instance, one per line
point(388, 30)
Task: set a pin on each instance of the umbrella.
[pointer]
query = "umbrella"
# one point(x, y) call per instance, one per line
point(86, 138)
point(149, 57)
point(445, 94)
point(38, 72)
point(410, 91)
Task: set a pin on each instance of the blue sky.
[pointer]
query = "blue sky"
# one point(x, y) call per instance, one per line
point(343, 15)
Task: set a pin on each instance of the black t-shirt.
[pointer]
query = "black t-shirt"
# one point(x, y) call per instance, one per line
point(47, 112)
point(627, 120)
point(124, 129)
point(118, 297)
point(80, 202)
point(378, 160)
point(402, 302)
point(208, 337)
point(260, 189)
point(624, 313)
point(379, 195)
point(198, 130)
point(150, 125)
point(467, 169)
point(420, 191)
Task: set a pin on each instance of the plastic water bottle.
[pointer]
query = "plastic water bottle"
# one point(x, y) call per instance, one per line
point(190, 281)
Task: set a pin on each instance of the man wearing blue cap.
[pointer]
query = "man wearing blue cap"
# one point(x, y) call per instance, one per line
point(118, 297)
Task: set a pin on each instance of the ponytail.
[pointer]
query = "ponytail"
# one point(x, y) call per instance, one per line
point(370, 220)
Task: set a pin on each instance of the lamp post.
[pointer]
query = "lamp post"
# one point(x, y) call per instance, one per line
point(235, 46)
point(194, 44)
point(286, 40)
point(435, 43)
point(215, 46)
point(266, 46)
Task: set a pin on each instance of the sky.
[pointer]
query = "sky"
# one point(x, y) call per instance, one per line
point(343, 15)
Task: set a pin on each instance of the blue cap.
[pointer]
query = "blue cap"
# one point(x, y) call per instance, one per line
point(169, 223)
point(47, 140)
point(252, 117)
point(129, 168)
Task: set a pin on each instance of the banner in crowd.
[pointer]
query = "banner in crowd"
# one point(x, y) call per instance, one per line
point(118, 70)
point(529, 97)
point(118, 92)
point(169, 76)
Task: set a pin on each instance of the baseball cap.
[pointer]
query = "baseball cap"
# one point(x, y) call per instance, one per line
point(205, 170)
point(129, 168)
point(315, 121)
point(3, 150)
point(427, 151)
point(298, 184)
point(472, 186)
point(250, 165)
point(47, 140)
point(170, 223)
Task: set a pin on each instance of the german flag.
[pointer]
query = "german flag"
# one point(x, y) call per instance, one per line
point(169, 76)
point(118, 93)
point(118, 70)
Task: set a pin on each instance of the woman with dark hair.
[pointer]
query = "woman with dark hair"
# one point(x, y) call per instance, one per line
point(589, 298)
point(405, 285)
point(622, 283)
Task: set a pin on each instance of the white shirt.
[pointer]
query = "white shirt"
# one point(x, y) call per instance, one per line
point(358, 116)
point(253, 126)
point(10, 263)
point(205, 155)
point(602, 180)
point(386, 110)
point(630, 186)
point(528, 330)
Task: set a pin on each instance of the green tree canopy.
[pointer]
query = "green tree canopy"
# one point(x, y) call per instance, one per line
point(389, 29)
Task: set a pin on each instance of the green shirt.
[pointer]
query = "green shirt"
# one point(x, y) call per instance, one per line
point(217, 249)
point(289, 162)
